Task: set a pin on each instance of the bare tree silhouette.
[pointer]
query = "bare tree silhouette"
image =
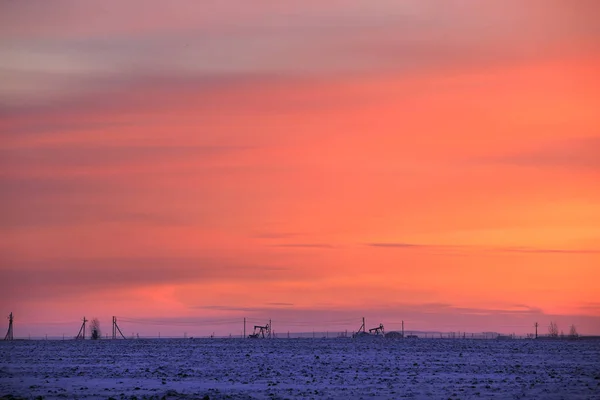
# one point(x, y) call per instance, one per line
point(573, 332)
point(95, 327)
point(553, 330)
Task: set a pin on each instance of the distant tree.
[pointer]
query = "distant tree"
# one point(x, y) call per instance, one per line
point(553, 330)
point(95, 328)
point(573, 332)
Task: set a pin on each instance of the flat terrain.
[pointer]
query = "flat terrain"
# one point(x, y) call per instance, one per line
point(301, 368)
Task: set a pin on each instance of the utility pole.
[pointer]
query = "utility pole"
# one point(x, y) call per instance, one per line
point(9, 334)
point(244, 328)
point(270, 328)
point(536, 326)
point(402, 329)
point(115, 329)
point(81, 334)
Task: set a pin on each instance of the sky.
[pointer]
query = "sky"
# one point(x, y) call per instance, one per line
point(185, 165)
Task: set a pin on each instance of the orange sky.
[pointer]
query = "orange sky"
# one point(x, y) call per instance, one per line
point(313, 164)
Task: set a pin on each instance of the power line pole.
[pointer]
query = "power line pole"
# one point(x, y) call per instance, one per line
point(9, 334)
point(81, 334)
point(244, 327)
point(536, 327)
point(115, 329)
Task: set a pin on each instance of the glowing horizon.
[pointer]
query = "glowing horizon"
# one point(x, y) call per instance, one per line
point(310, 162)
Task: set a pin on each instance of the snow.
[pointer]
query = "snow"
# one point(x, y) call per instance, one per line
point(300, 368)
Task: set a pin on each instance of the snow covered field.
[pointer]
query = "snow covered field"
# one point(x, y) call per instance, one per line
point(301, 368)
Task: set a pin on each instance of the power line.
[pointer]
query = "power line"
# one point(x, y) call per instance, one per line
point(178, 322)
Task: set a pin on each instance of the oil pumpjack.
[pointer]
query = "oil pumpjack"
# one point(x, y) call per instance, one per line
point(261, 332)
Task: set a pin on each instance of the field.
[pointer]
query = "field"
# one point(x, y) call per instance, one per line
point(300, 368)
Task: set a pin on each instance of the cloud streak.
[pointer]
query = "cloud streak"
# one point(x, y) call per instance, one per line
point(580, 153)
point(400, 245)
point(480, 248)
point(527, 250)
point(68, 277)
point(97, 156)
point(304, 245)
point(409, 36)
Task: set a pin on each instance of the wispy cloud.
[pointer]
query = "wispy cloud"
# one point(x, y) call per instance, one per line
point(107, 156)
point(41, 128)
point(277, 235)
point(570, 153)
point(593, 307)
point(29, 215)
point(96, 49)
point(399, 245)
point(547, 251)
point(446, 249)
point(482, 248)
point(267, 308)
point(305, 245)
point(63, 277)
point(231, 308)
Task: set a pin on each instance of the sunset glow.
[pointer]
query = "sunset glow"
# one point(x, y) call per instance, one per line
point(306, 162)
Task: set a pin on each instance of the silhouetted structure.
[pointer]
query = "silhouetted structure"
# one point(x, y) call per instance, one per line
point(396, 334)
point(115, 329)
point(261, 332)
point(378, 330)
point(361, 331)
point(81, 334)
point(9, 334)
